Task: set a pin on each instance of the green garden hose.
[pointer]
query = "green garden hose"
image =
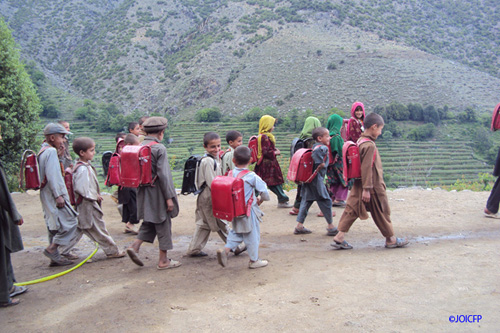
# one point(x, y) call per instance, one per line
point(47, 278)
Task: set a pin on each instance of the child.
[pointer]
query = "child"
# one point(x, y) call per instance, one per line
point(267, 166)
point(60, 218)
point(10, 241)
point(206, 222)
point(88, 199)
point(316, 189)
point(234, 139)
point(157, 204)
point(491, 209)
point(309, 125)
point(64, 155)
point(355, 124)
point(368, 193)
point(127, 196)
point(337, 186)
point(134, 128)
point(239, 233)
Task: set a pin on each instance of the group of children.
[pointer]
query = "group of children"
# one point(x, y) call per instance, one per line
point(157, 205)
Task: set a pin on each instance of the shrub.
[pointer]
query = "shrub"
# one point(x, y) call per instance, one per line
point(422, 132)
point(208, 115)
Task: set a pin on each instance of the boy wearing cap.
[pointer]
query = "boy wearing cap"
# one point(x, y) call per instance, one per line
point(156, 205)
point(60, 217)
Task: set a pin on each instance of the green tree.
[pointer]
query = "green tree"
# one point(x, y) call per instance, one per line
point(19, 105)
point(208, 115)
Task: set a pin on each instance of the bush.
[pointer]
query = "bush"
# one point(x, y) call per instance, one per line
point(422, 132)
point(208, 115)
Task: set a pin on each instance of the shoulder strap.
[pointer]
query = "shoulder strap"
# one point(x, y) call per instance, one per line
point(208, 155)
point(363, 140)
point(152, 143)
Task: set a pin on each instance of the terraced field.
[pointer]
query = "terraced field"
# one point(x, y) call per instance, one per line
point(406, 163)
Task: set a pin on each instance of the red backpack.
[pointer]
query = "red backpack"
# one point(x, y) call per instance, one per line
point(344, 130)
point(351, 159)
point(68, 181)
point(301, 166)
point(230, 199)
point(253, 144)
point(113, 175)
point(135, 166)
point(495, 120)
point(29, 175)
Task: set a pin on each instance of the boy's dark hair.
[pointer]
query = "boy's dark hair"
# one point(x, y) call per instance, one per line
point(82, 143)
point(142, 120)
point(373, 119)
point(209, 136)
point(242, 155)
point(132, 125)
point(358, 108)
point(119, 135)
point(233, 135)
point(62, 122)
point(318, 131)
point(131, 139)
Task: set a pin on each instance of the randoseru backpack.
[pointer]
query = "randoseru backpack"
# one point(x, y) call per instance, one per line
point(229, 202)
point(301, 166)
point(253, 144)
point(352, 160)
point(105, 159)
point(68, 181)
point(135, 166)
point(189, 179)
point(29, 174)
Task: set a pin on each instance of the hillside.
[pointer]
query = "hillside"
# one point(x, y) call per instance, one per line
point(178, 56)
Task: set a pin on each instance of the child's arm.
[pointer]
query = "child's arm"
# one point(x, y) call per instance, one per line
point(82, 184)
point(366, 153)
point(165, 180)
point(265, 144)
point(53, 175)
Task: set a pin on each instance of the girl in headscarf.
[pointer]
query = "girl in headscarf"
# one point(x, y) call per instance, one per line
point(267, 166)
point(355, 124)
point(336, 183)
point(306, 135)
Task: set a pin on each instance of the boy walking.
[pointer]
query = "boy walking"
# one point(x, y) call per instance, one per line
point(88, 200)
point(316, 189)
point(246, 229)
point(234, 139)
point(206, 222)
point(60, 217)
point(157, 204)
point(369, 193)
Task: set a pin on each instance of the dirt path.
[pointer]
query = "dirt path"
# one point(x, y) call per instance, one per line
point(450, 268)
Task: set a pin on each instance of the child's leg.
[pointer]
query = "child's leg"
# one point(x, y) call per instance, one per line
point(494, 198)
point(223, 231)
point(233, 241)
point(98, 233)
point(380, 212)
point(65, 249)
point(278, 190)
point(252, 240)
point(303, 210)
point(339, 192)
point(346, 221)
point(325, 205)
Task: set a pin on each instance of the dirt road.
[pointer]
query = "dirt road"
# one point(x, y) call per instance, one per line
point(450, 268)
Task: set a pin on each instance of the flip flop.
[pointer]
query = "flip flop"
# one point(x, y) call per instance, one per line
point(18, 290)
point(173, 264)
point(400, 242)
point(302, 231)
point(341, 246)
point(129, 230)
point(116, 255)
point(11, 302)
point(332, 232)
point(133, 256)
point(293, 212)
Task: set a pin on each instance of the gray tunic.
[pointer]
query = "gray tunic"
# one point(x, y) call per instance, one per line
point(316, 189)
point(56, 219)
point(151, 200)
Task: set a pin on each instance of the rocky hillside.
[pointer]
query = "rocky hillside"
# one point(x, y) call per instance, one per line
point(177, 56)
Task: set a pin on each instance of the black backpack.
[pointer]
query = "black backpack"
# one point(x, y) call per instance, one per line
point(300, 143)
point(106, 157)
point(189, 180)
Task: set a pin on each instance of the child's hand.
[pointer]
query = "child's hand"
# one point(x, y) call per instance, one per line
point(170, 205)
point(259, 201)
point(99, 198)
point(366, 196)
point(277, 152)
point(60, 202)
point(20, 222)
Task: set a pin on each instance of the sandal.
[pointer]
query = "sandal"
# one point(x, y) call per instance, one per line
point(11, 302)
point(294, 211)
point(332, 232)
point(400, 242)
point(120, 254)
point(341, 246)
point(18, 290)
point(172, 264)
point(133, 256)
point(301, 231)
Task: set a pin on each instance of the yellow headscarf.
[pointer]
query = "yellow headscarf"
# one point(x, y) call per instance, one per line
point(266, 124)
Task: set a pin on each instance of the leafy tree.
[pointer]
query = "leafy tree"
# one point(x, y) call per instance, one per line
point(397, 111)
point(422, 132)
point(208, 115)
point(393, 128)
point(253, 114)
point(416, 111)
point(19, 105)
point(431, 115)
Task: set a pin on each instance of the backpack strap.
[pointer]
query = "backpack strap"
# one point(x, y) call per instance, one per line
point(315, 173)
point(150, 144)
point(363, 140)
point(44, 148)
point(80, 198)
point(23, 166)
